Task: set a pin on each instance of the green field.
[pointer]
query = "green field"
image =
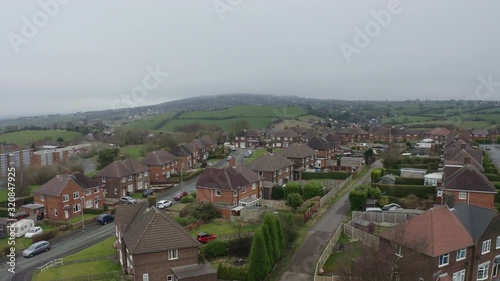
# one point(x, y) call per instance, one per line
point(102, 249)
point(27, 137)
point(226, 124)
point(247, 111)
point(86, 269)
point(133, 151)
point(150, 123)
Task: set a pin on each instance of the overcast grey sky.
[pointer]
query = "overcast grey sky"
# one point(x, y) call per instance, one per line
point(89, 55)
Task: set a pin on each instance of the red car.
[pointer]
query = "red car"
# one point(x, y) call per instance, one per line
point(179, 195)
point(204, 237)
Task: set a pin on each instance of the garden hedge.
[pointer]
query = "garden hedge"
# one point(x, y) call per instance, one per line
point(493, 177)
point(325, 175)
point(421, 191)
point(409, 181)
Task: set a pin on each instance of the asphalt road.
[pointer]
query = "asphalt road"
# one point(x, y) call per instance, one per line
point(493, 152)
point(304, 260)
point(60, 247)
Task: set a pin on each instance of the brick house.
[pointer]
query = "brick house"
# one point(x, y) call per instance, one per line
point(185, 155)
point(439, 135)
point(354, 134)
point(152, 246)
point(462, 152)
point(284, 138)
point(247, 139)
point(325, 150)
point(468, 185)
point(302, 156)
point(426, 250)
point(201, 149)
point(210, 142)
point(273, 167)
point(161, 164)
point(233, 184)
point(124, 177)
point(480, 134)
point(64, 196)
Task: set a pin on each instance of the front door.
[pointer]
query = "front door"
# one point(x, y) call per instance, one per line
point(66, 214)
point(96, 203)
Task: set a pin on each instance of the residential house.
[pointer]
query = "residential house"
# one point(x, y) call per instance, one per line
point(185, 156)
point(346, 163)
point(161, 164)
point(325, 150)
point(354, 134)
point(124, 177)
point(439, 135)
point(210, 142)
point(284, 138)
point(304, 133)
point(480, 135)
point(302, 156)
point(5, 146)
point(467, 184)
point(201, 148)
point(152, 246)
point(64, 196)
point(462, 152)
point(247, 139)
point(231, 185)
point(273, 167)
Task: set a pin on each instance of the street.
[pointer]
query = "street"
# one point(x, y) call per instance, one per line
point(493, 152)
point(62, 246)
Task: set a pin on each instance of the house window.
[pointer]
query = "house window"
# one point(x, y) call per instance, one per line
point(482, 271)
point(140, 175)
point(498, 243)
point(96, 190)
point(494, 272)
point(462, 195)
point(88, 204)
point(399, 251)
point(146, 173)
point(444, 259)
point(217, 192)
point(103, 179)
point(157, 176)
point(42, 198)
point(170, 278)
point(65, 197)
point(76, 208)
point(459, 275)
point(55, 212)
point(130, 188)
point(116, 191)
point(461, 254)
point(145, 277)
point(88, 191)
point(254, 186)
point(243, 189)
point(76, 195)
point(163, 167)
point(124, 179)
point(129, 178)
point(235, 193)
point(173, 254)
point(139, 185)
point(486, 247)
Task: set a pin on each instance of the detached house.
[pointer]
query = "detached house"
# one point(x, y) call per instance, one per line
point(64, 196)
point(439, 135)
point(124, 177)
point(231, 185)
point(152, 246)
point(161, 164)
point(302, 156)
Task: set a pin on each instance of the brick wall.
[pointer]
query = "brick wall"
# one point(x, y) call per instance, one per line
point(476, 198)
point(159, 267)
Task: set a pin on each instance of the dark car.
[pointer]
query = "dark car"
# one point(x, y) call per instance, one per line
point(390, 207)
point(204, 237)
point(36, 248)
point(148, 192)
point(178, 196)
point(105, 219)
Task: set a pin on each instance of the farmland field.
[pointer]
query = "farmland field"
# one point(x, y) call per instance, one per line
point(256, 123)
point(150, 123)
point(246, 112)
point(26, 137)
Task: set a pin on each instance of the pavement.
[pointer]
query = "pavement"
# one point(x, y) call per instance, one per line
point(304, 260)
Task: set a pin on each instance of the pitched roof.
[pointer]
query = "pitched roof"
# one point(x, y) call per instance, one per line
point(56, 185)
point(227, 178)
point(468, 178)
point(288, 133)
point(125, 214)
point(198, 144)
point(480, 132)
point(181, 150)
point(318, 143)
point(155, 231)
point(475, 219)
point(458, 136)
point(441, 131)
point(158, 158)
point(269, 163)
point(298, 150)
point(429, 233)
point(122, 168)
point(208, 140)
point(352, 131)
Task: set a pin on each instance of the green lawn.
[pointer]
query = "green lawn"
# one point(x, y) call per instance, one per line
point(133, 151)
point(77, 269)
point(25, 137)
point(339, 260)
point(79, 218)
point(102, 249)
point(221, 228)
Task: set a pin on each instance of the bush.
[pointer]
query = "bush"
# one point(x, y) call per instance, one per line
point(187, 199)
point(185, 221)
point(325, 175)
point(421, 191)
point(44, 236)
point(376, 174)
point(294, 200)
point(290, 229)
point(186, 211)
point(205, 212)
point(396, 172)
point(193, 194)
point(240, 247)
point(215, 248)
point(93, 211)
point(493, 177)
point(277, 192)
point(409, 181)
point(491, 170)
point(226, 272)
point(409, 202)
point(293, 187)
point(357, 198)
point(312, 189)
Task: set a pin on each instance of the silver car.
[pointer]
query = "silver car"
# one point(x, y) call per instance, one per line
point(127, 200)
point(36, 248)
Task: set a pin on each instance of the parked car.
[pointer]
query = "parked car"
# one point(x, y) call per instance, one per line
point(127, 200)
point(179, 195)
point(36, 248)
point(249, 152)
point(229, 157)
point(204, 237)
point(162, 204)
point(247, 155)
point(105, 219)
point(233, 148)
point(488, 148)
point(391, 206)
point(147, 192)
point(33, 231)
point(374, 210)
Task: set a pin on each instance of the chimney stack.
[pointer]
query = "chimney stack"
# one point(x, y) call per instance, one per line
point(68, 171)
point(467, 160)
point(232, 162)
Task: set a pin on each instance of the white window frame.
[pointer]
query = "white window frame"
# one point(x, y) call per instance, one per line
point(173, 254)
point(124, 179)
point(461, 254)
point(146, 173)
point(170, 277)
point(235, 193)
point(459, 275)
point(145, 277)
point(243, 189)
point(498, 243)
point(65, 198)
point(77, 208)
point(97, 190)
point(103, 179)
point(129, 178)
point(116, 190)
point(140, 175)
point(42, 197)
point(76, 195)
point(444, 260)
point(254, 186)
point(218, 192)
point(55, 212)
point(399, 251)
point(89, 204)
point(88, 192)
point(462, 195)
point(486, 247)
point(484, 268)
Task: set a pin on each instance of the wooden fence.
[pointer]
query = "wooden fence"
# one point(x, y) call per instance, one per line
point(384, 217)
point(275, 204)
point(334, 191)
point(309, 213)
point(328, 250)
point(366, 238)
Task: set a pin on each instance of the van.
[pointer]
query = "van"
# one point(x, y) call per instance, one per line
point(23, 226)
point(374, 210)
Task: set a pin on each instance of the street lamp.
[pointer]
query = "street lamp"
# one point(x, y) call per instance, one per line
point(82, 199)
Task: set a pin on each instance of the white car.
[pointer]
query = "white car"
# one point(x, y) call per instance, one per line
point(34, 231)
point(162, 204)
